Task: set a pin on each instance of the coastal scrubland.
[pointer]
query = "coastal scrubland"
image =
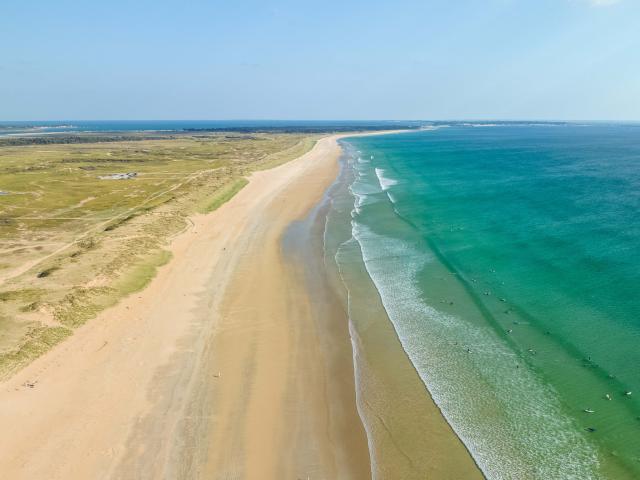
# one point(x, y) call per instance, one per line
point(84, 223)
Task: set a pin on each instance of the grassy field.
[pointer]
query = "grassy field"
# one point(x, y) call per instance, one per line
point(73, 241)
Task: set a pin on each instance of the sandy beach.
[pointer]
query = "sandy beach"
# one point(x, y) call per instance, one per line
point(230, 364)
point(129, 394)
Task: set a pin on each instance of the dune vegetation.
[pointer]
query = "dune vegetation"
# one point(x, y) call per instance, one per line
point(76, 235)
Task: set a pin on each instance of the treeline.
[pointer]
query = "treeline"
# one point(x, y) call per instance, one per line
point(71, 139)
point(242, 133)
point(304, 129)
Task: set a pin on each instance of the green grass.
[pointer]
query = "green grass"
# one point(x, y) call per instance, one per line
point(142, 273)
point(223, 195)
point(278, 158)
point(36, 342)
point(25, 295)
point(82, 303)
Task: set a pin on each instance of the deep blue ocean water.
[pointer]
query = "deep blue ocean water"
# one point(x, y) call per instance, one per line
point(508, 260)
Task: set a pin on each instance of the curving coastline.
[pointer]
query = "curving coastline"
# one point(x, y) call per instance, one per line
point(236, 360)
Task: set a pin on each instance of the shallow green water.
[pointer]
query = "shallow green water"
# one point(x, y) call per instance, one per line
point(508, 260)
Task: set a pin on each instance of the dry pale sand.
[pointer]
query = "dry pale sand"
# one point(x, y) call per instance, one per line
point(175, 383)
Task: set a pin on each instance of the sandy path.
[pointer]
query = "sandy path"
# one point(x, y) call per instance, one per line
point(133, 392)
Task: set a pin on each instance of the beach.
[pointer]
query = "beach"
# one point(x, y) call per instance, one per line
point(235, 361)
point(397, 241)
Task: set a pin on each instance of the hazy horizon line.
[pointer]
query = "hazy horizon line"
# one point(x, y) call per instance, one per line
point(460, 119)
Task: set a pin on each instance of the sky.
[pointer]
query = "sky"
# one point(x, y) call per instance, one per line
point(297, 59)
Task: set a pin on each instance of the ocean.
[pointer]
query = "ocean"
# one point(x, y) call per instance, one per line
point(507, 259)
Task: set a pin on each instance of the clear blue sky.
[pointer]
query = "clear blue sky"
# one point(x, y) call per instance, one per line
point(287, 59)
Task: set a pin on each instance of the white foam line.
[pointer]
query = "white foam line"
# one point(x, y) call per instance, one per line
point(385, 182)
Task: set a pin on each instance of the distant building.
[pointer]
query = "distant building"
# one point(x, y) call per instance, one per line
point(119, 176)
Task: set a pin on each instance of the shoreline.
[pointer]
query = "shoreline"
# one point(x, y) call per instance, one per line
point(210, 369)
point(408, 433)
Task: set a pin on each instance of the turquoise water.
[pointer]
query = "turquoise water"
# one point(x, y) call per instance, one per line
point(508, 260)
